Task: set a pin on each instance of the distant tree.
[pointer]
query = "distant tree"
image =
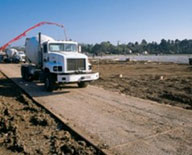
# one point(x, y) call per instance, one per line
point(87, 48)
point(164, 47)
point(143, 42)
point(97, 49)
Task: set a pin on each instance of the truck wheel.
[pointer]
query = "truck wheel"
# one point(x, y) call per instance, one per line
point(49, 82)
point(6, 60)
point(83, 84)
point(16, 61)
point(28, 77)
point(25, 74)
point(23, 70)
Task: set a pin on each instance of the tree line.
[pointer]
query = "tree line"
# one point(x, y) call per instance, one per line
point(164, 47)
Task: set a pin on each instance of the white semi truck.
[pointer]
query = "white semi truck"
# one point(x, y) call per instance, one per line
point(56, 62)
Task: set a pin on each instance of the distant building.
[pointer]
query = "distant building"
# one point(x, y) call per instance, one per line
point(130, 52)
point(145, 52)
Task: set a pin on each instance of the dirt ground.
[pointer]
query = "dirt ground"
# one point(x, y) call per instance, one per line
point(96, 113)
point(167, 83)
point(26, 128)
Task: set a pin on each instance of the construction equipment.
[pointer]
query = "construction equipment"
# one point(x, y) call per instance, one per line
point(56, 62)
point(12, 55)
point(29, 29)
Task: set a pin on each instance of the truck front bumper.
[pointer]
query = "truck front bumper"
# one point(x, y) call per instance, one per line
point(71, 78)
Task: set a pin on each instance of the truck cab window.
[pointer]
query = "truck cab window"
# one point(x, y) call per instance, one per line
point(58, 47)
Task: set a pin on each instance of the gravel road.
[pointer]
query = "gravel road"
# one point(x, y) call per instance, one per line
point(27, 128)
point(118, 123)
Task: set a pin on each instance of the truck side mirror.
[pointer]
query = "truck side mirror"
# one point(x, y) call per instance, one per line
point(79, 48)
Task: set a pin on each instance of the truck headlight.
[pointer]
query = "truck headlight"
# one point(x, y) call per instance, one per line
point(57, 68)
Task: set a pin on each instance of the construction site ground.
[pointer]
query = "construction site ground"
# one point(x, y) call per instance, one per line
point(115, 122)
point(165, 83)
point(26, 128)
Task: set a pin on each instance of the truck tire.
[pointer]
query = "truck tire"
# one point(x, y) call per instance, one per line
point(83, 84)
point(25, 74)
point(50, 82)
point(16, 61)
point(6, 60)
point(29, 77)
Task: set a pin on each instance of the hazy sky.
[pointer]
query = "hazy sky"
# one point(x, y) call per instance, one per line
point(92, 21)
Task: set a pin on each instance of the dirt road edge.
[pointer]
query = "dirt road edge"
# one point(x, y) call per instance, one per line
point(76, 132)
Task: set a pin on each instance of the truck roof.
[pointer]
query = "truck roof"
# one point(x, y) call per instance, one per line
point(62, 41)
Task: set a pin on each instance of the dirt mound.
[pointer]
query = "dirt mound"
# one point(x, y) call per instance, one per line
point(26, 128)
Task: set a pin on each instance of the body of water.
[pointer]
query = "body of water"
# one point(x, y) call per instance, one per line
point(182, 59)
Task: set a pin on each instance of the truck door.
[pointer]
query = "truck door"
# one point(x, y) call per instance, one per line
point(45, 53)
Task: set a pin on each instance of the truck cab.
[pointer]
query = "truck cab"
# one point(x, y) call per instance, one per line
point(64, 57)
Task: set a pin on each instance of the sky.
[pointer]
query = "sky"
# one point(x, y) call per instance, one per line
point(94, 21)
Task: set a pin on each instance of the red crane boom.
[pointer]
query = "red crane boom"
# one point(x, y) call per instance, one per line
point(29, 29)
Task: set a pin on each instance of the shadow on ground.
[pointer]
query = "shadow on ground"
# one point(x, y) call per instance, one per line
point(35, 89)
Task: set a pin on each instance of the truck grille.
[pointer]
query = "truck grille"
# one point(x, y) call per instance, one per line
point(76, 64)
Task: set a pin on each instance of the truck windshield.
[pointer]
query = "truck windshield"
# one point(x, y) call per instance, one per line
point(21, 52)
point(62, 47)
